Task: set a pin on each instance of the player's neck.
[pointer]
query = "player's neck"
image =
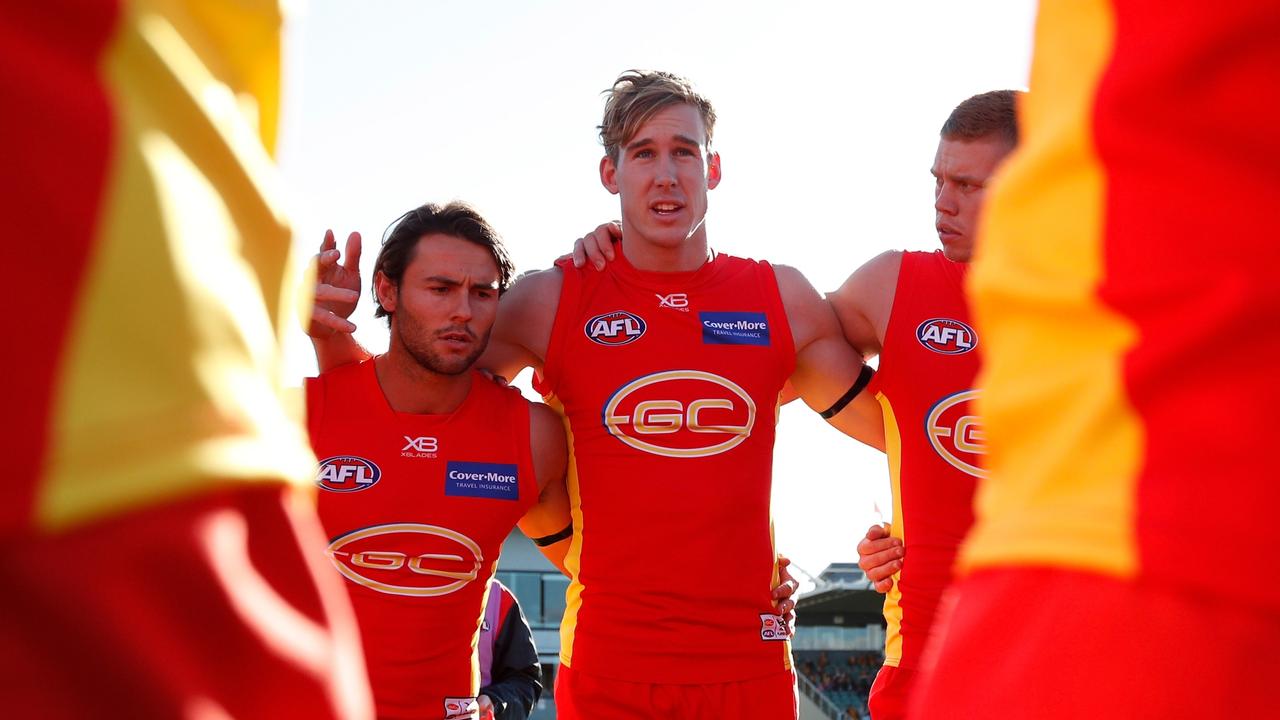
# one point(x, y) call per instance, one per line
point(688, 256)
point(411, 388)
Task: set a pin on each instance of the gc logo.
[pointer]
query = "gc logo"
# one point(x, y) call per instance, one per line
point(680, 413)
point(407, 559)
point(955, 432)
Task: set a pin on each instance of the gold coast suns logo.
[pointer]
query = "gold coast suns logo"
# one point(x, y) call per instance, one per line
point(680, 413)
point(407, 559)
point(955, 432)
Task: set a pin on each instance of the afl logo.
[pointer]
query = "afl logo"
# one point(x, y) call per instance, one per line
point(955, 432)
point(680, 413)
point(407, 559)
point(614, 328)
point(946, 336)
point(347, 473)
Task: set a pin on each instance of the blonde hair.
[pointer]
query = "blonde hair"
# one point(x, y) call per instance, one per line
point(638, 95)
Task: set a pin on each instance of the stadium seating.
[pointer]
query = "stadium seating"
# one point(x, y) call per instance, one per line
point(844, 677)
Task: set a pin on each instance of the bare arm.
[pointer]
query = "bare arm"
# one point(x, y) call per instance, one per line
point(522, 330)
point(826, 365)
point(551, 513)
point(865, 300)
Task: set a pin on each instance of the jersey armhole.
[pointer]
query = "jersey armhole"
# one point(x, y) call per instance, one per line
point(547, 382)
point(785, 343)
point(902, 298)
point(521, 412)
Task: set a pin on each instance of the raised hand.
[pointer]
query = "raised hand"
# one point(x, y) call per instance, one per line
point(337, 286)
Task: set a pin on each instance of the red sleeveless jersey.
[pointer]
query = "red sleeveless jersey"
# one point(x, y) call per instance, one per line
point(416, 508)
point(670, 384)
point(934, 440)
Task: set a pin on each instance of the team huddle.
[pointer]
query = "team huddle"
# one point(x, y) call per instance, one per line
point(667, 363)
point(1047, 425)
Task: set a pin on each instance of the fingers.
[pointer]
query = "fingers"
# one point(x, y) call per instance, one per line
point(579, 254)
point(613, 232)
point(326, 261)
point(787, 609)
point(496, 378)
point(599, 246)
point(882, 564)
point(786, 589)
point(880, 557)
point(329, 293)
point(787, 585)
point(328, 243)
point(881, 567)
point(867, 548)
point(352, 262)
point(324, 322)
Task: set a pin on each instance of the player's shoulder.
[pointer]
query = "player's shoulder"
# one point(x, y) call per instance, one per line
point(342, 375)
point(540, 413)
point(537, 283)
point(546, 429)
point(794, 287)
point(887, 262)
point(872, 278)
point(535, 294)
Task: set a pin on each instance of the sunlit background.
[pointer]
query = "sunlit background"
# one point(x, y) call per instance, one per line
point(829, 114)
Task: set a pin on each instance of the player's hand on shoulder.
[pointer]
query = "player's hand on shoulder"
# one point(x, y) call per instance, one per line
point(597, 246)
point(497, 379)
point(337, 289)
point(880, 556)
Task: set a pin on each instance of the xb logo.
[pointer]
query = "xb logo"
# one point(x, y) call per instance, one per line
point(420, 444)
point(675, 301)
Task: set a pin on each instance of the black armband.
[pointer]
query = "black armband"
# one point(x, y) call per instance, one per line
point(554, 538)
point(864, 377)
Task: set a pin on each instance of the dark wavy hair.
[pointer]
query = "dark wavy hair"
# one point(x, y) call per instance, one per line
point(456, 219)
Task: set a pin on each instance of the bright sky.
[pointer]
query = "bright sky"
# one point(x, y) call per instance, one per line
point(828, 122)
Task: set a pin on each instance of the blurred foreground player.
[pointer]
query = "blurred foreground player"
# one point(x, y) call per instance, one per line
point(1126, 288)
point(158, 560)
point(426, 465)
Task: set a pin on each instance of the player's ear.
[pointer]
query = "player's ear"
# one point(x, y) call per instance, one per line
point(609, 174)
point(713, 170)
point(386, 291)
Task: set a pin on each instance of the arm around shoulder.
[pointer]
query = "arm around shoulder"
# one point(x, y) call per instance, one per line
point(862, 304)
point(522, 330)
point(827, 367)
